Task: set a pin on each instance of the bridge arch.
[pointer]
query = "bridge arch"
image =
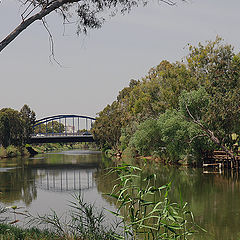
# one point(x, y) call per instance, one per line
point(63, 128)
point(76, 121)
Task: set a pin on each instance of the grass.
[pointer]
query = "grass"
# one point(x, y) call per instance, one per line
point(8, 232)
point(12, 151)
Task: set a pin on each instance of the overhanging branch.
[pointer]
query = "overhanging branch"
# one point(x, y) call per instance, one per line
point(50, 6)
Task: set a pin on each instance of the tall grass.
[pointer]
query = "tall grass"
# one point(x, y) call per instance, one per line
point(83, 221)
point(145, 209)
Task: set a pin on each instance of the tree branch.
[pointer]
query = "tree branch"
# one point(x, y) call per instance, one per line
point(27, 22)
point(50, 6)
point(211, 135)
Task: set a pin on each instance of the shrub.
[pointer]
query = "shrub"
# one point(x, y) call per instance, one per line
point(12, 151)
point(147, 138)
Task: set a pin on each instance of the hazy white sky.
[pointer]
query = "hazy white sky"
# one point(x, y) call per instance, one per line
point(96, 67)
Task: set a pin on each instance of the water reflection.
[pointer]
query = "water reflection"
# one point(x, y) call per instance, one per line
point(67, 171)
point(17, 184)
point(213, 198)
point(65, 180)
point(46, 182)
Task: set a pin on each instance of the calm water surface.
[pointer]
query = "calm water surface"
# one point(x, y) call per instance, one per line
point(48, 181)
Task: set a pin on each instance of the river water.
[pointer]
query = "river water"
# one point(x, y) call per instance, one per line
point(49, 181)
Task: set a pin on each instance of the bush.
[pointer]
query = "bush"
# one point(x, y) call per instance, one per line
point(2, 152)
point(147, 138)
point(12, 151)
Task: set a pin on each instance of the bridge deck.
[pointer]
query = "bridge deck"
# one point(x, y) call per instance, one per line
point(61, 139)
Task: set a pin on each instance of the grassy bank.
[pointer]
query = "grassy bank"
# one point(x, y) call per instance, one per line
point(49, 147)
point(11, 232)
point(12, 151)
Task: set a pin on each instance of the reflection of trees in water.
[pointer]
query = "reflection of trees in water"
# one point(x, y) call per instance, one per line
point(18, 184)
point(213, 198)
point(72, 157)
point(105, 183)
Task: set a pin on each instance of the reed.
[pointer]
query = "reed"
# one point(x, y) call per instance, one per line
point(145, 209)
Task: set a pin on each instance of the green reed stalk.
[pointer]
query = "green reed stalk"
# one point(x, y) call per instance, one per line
point(145, 209)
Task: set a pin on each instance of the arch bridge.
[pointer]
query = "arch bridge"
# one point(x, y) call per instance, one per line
point(63, 128)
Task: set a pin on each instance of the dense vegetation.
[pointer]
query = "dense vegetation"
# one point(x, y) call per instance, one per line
point(15, 126)
point(179, 111)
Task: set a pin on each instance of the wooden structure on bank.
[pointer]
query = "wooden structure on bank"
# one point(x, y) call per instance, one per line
point(221, 160)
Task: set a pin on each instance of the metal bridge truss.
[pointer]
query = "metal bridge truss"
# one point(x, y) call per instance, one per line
point(75, 121)
point(76, 129)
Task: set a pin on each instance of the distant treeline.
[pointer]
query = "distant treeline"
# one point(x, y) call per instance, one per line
point(179, 111)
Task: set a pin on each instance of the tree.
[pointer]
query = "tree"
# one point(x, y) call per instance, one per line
point(29, 118)
point(216, 67)
point(50, 127)
point(11, 127)
point(147, 138)
point(196, 108)
point(4, 130)
point(87, 14)
point(107, 127)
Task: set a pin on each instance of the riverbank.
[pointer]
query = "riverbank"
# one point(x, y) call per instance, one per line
point(28, 150)
point(49, 147)
point(12, 151)
point(11, 232)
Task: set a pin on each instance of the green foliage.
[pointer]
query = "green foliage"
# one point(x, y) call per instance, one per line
point(196, 103)
point(84, 222)
point(206, 89)
point(29, 118)
point(141, 100)
point(12, 151)
point(172, 136)
point(11, 127)
point(2, 152)
point(50, 127)
point(145, 209)
point(15, 127)
point(107, 127)
point(126, 134)
point(216, 67)
point(11, 232)
point(182, 139)
point(147, 138)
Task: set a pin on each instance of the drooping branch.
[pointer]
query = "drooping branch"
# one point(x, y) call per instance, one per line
point(210, 135)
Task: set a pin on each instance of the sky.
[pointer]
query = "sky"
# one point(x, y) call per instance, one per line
point(97, 66)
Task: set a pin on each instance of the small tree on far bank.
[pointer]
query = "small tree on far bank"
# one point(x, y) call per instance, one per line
point(16, 127)
point(11, 127)
point(29, 118)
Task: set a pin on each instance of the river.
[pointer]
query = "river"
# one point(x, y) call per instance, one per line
point(49, 181)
